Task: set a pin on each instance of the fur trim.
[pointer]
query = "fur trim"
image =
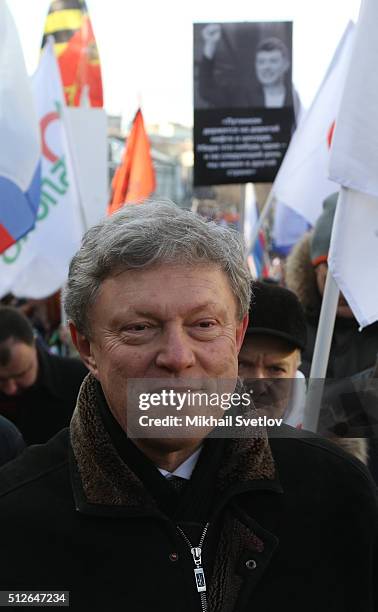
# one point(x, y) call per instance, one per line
point(358, 447)
point(106, 479)
point(300, 275)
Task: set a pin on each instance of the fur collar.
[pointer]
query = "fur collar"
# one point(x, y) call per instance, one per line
point(300, 275)
point(107, 480)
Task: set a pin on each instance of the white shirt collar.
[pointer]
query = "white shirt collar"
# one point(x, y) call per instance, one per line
point(184, 470)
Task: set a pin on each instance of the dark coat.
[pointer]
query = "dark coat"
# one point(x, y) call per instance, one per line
point(11, 441)
point(292, 524)
point(352, 351)
point(46, 407)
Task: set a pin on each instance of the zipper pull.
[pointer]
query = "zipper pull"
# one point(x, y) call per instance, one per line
point(199, 574)
point(196, 552)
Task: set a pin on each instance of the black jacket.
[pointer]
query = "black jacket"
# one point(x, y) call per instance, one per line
point(352, 351)
point(292, 525)
point(11, 441)
point(46, 407)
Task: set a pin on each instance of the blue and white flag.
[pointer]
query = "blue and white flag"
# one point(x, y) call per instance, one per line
point(37, 265)
point(20, 150)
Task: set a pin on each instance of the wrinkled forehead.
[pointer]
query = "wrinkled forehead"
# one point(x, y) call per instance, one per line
point(164, 290)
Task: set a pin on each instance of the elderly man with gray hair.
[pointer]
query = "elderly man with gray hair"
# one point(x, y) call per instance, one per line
point(123, 519)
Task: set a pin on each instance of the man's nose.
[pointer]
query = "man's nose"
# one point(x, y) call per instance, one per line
point(175, 354)
point(259, 373)
point(9, 387)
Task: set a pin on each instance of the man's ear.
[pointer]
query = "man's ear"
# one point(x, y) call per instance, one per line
point(240, 331)
point(83, 346)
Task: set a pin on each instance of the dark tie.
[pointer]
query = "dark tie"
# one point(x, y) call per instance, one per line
point(177, 483)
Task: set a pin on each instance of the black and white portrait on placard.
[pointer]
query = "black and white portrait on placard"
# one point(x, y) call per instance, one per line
point(244, 101)
point(243, 65)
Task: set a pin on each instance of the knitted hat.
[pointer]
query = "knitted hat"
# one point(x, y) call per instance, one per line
point(276, 311)
point(321, 236)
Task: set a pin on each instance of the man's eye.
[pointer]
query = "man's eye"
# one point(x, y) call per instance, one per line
point(277, 369)
point(138, 327)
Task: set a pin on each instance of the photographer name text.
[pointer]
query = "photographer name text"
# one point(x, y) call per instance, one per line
point(209, 421)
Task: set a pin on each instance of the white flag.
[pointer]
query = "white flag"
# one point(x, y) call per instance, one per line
point(302, 182)
point(353, 257)
point(37, 265)
point(353, 254)
point(20, 151)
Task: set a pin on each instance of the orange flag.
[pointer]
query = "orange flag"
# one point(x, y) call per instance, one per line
point(75, 47)
point(134, 179)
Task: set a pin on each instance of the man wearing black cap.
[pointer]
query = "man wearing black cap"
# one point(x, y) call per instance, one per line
point(275, 337)
point(271, 355)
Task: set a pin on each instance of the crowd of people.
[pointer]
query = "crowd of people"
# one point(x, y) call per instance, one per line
point(217, 522)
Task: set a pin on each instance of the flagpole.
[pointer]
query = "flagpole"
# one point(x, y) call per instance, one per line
point(250, 216)
point(262, 217)
point(321, 354)
point(244, 195)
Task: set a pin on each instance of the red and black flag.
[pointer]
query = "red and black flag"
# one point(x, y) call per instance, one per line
point(75, 47)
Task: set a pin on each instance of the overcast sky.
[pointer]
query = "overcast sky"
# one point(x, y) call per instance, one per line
point(146, 45)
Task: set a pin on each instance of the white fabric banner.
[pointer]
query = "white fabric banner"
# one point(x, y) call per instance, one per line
point(37, 265)
point(88, 137)
point(353, 255)
point(302, 182)
point(354, 153)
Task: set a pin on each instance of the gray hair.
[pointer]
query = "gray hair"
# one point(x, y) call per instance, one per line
point(147, 235)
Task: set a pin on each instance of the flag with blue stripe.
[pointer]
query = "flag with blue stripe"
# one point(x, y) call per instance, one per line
point(20, 151)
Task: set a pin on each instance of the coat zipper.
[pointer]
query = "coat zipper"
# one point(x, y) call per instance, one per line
point(199, 574)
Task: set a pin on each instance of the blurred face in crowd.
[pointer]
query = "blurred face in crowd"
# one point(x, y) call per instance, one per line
point(271, 67)
point(18, 367)
point(168, 322)
point(343, 308)
point(268, 365)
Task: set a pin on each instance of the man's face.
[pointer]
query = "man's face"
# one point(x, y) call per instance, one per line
point(168, 322)
point(271, 66)
point(21, 371)
point(266, 357)
point(343, 308)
